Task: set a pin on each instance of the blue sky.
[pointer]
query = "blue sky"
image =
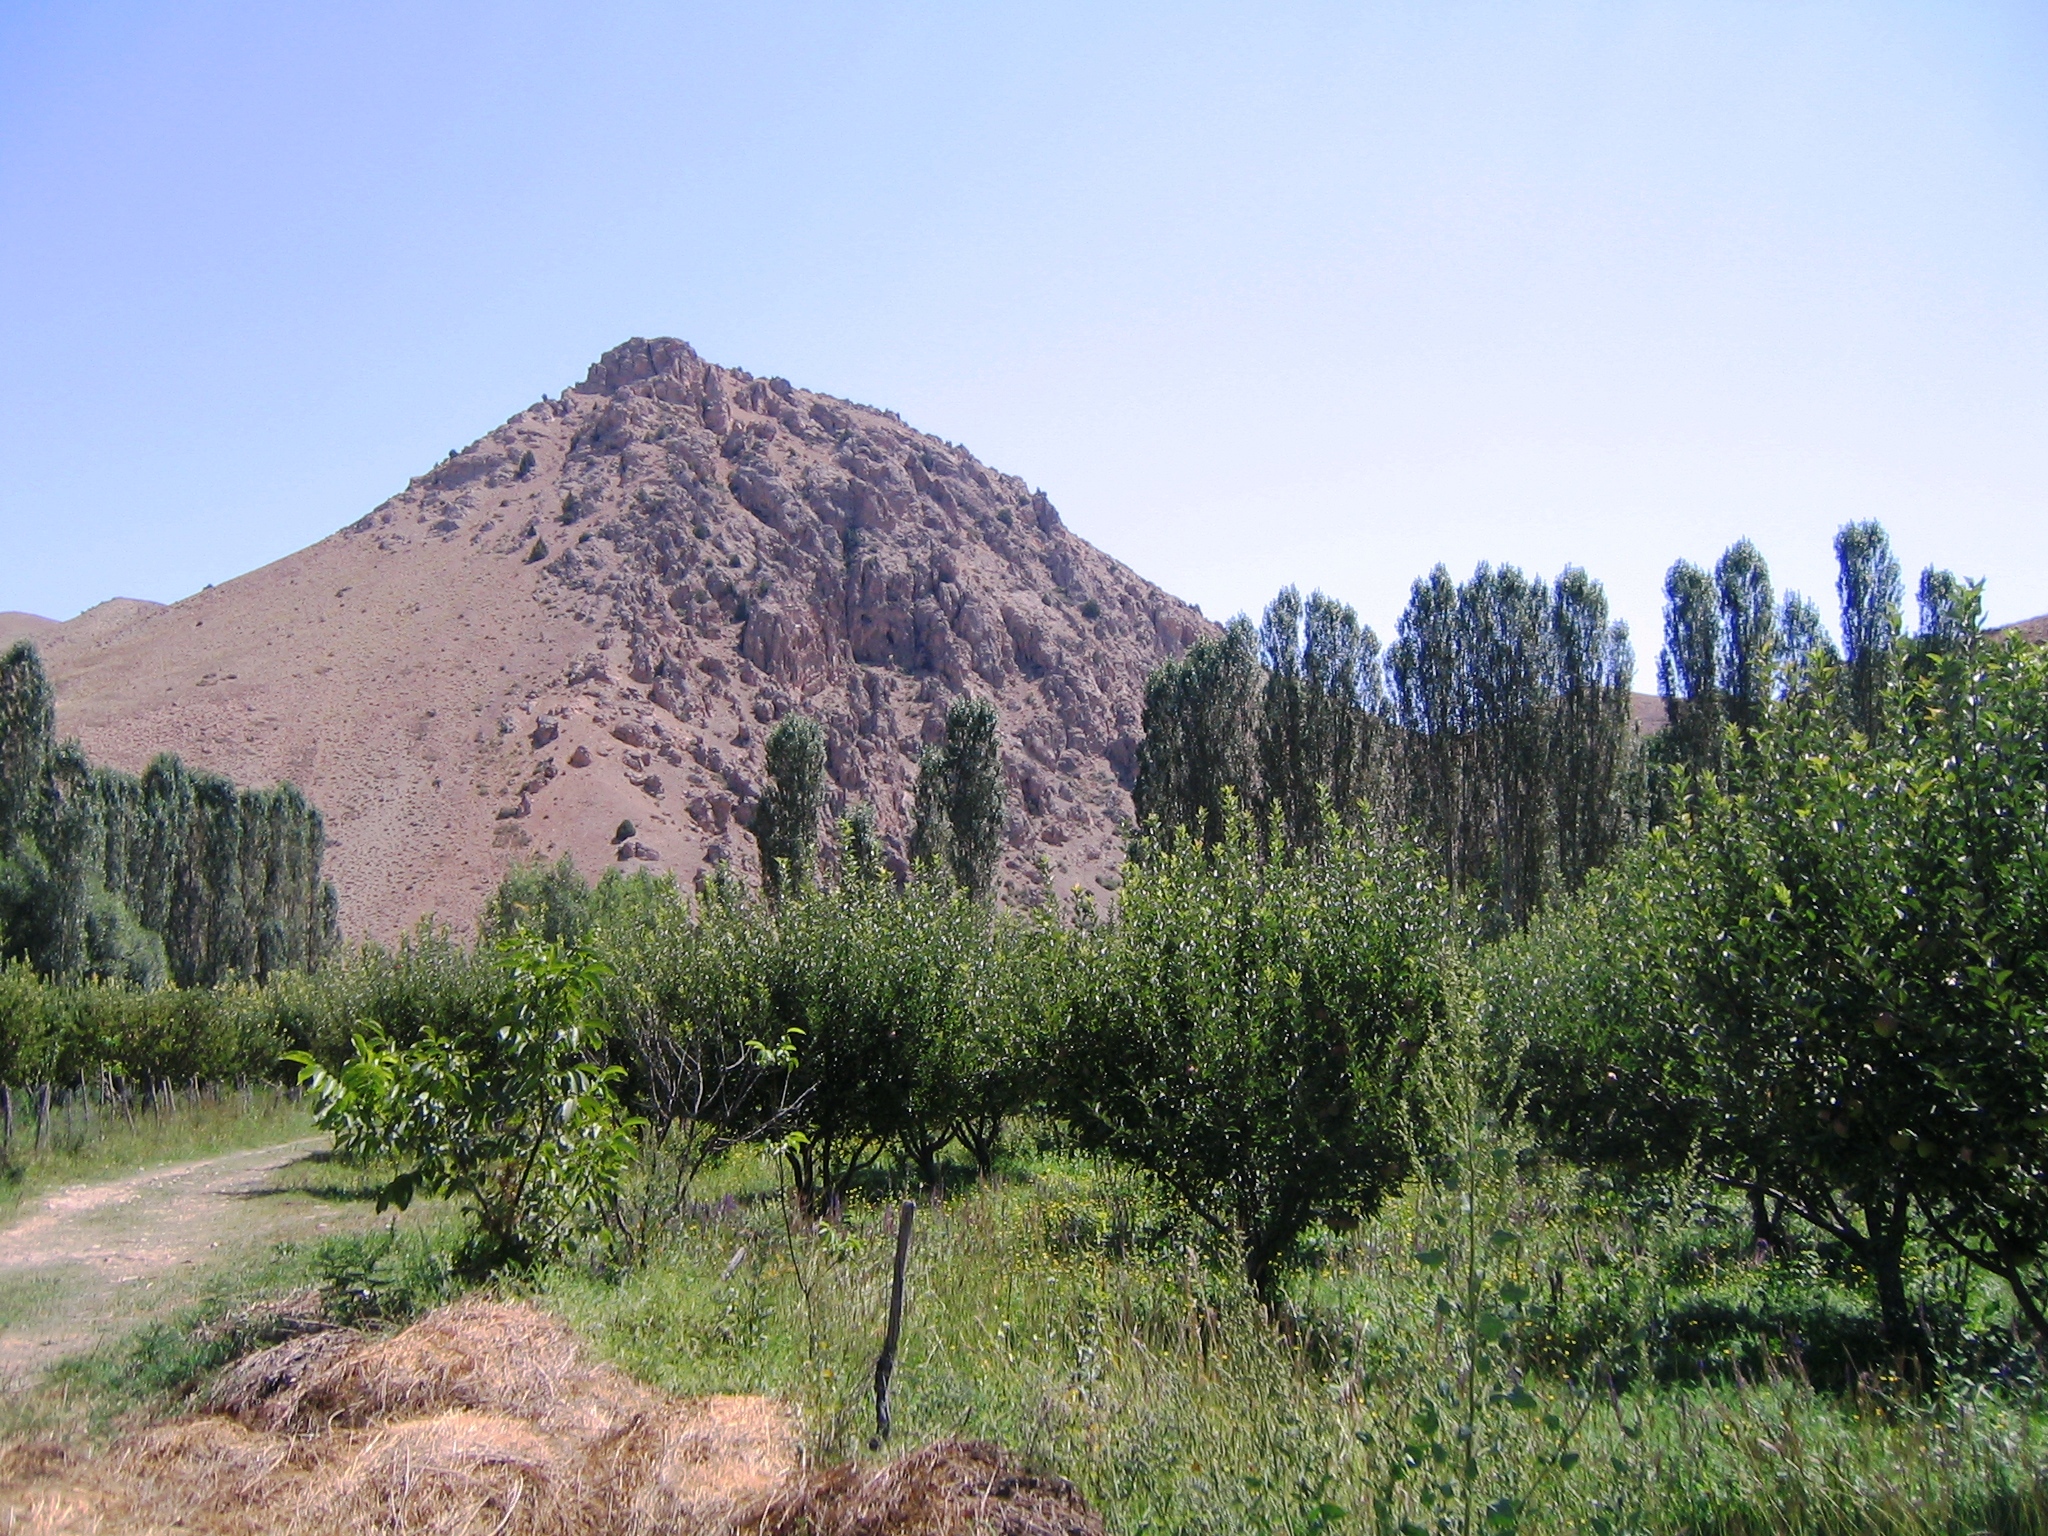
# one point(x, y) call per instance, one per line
point(1257, 293)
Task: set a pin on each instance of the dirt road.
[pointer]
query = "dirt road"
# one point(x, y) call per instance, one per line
point(91, 1261)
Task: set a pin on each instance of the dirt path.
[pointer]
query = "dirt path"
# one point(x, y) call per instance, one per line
point(95, 1259)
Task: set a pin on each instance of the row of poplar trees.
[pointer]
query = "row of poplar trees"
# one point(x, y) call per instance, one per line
point(176, 876)
point(1497, 727)
point(956, 820)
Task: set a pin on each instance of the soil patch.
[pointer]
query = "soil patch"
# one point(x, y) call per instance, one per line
point(91, 1260)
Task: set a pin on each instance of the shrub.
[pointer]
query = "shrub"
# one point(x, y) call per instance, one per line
point(1246, 1029)
point(513, 1113)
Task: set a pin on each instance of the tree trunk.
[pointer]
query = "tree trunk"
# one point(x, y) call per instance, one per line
point(1883, 1254)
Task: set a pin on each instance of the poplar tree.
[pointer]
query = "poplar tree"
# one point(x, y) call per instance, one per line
point(1201, 747)
point(1872, 594)
point(1951, 612)
point(1749, 639)
point(177, 874)
point(1688, 668)
point(1320, 715)
point(1804, 640)
point(1593, 671)
point(957, 813)
point(786, 820)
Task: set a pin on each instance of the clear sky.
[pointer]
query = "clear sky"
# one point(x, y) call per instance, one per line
point(1257, 293)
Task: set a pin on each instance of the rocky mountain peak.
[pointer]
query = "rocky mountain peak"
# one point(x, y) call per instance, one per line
point(742, 548)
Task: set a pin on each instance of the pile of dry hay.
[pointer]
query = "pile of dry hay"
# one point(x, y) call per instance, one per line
point(485, 1418)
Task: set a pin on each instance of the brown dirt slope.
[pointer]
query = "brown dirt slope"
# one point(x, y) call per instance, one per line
point(596, 612)
point(2034, 629)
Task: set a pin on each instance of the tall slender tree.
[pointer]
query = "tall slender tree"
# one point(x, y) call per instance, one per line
point(1872, 594)
point(786, 821)
point(1593, 671)
point(1951, 611)
point(1201, 746)
point(957, 813)
point(1749, 640)
point(1688, 668)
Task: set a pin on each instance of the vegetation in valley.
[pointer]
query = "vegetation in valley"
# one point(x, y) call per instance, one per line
point(174, 876)
point(1468, 1118)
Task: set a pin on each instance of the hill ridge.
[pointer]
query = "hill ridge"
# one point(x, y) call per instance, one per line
point(593, 614)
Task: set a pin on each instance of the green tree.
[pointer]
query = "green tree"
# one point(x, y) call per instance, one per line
point(861, 855)
point(1318, 725)
point(1951, 611)
point(1245, 1029)
point(1864, 931)
point(1749, 640)
point(551, 901)
point(787, 819)
point(1688, 669)
point(28, 729)
point(1872, 593)
point(957, 810)
point(1804, 640)
point(514, 1113)
point(1593, 671)
point(1201, 746)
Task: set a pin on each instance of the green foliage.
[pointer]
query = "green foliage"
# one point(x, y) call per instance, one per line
point(1688, 669)
point(1245, 1031)
point(1322, 720)
point(786, 820)
point(58, 1034)
point(1512, 700)
point(28, 731)
point(551, 900)
point(861, 855)
point(1872, 594)
point(1865, 921)
point(1200, 751)
point(175, 875)
point(1827, 980)
point(512, 1112)
point(957, 814)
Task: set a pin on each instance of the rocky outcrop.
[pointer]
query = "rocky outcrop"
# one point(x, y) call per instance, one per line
point(599, 611)
point(747, 548)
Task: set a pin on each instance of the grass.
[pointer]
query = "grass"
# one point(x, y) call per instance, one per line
point(91, 1138)
point(1674, 1382)
point(1066, 1313)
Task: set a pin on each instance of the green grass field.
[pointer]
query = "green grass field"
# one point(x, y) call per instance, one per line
point(1065, 1313)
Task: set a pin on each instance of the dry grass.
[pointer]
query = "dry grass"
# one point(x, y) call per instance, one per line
point(955, 1488)
point(486, 1419)
point(481, 1418)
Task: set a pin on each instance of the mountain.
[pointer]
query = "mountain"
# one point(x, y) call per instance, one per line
point(595, 614)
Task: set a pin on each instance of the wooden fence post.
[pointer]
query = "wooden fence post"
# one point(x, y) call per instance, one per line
point(885, 1367)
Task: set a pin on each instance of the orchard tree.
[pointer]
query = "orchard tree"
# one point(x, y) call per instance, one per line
point(1865, 938)
point(1246, 1029)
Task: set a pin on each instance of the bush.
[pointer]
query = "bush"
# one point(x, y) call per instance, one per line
point(1246, 1029)
point(512, 1113)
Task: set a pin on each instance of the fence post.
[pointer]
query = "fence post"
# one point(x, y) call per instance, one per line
point(7, 1106)
point(42, 1115)
point(885, 1367)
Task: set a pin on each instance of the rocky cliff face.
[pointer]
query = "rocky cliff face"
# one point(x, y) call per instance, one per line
point(596, 613)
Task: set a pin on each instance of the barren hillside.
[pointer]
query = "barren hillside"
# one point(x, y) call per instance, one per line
point(595, 613)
